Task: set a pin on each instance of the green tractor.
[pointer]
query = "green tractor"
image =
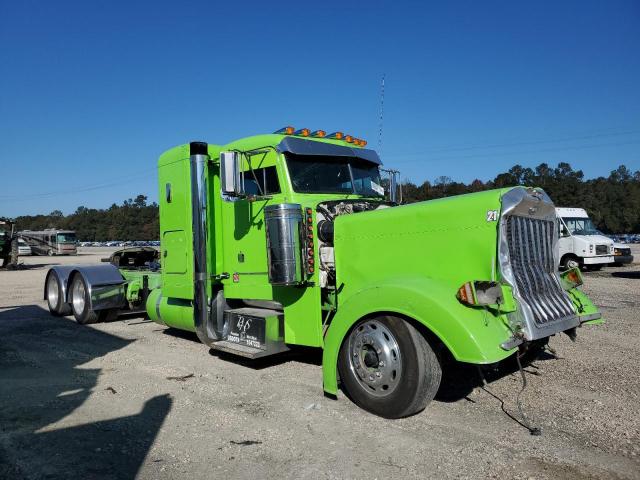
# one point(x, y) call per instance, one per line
point(8, 244)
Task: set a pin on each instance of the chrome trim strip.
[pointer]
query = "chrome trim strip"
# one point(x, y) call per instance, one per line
point(592, 316)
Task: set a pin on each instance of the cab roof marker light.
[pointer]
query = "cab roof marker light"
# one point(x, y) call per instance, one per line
point(363, 143)
point(303, 132)
point(336, 136)
point(348, 139)
point(285, 131)
point(319, 134)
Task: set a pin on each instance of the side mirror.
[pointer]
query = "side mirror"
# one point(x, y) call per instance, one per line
point(230, 174)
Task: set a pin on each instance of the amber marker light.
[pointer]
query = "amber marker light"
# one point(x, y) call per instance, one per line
point(303, 132)
point(285, 131)
point(336, 136)
point(319, 134)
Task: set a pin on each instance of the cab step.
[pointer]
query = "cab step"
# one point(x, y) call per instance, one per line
point(253, 333)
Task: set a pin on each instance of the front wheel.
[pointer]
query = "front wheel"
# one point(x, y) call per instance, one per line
point(388, 368)
point(570, 261)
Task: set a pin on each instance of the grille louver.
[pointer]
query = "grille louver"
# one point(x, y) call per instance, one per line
point(530, 245)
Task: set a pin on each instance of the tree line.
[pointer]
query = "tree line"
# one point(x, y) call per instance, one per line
point(613, 202)
point(135, 219)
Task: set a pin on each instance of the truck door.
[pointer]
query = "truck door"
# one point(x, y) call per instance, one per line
point(244, 234)
point(565, 242)
point(175, 229)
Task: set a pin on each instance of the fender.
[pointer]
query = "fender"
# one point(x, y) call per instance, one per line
point(471, 334)
point(63, 272)
point(105, 283)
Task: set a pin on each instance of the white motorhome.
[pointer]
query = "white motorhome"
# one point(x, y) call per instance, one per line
point(580, 243)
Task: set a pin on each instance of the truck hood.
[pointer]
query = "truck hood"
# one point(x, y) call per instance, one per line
point(595, 239)
point(453, 239)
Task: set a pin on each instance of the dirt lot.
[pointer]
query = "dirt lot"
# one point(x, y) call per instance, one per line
point(131, 398)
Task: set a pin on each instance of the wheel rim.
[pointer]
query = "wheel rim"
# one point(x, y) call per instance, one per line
point(52, 291)
point(572, 263)
point(78, 297)
point(374, 358)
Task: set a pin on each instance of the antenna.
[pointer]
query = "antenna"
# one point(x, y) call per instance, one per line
point(381, 115)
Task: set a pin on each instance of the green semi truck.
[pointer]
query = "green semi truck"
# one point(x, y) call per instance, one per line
point(289, 239)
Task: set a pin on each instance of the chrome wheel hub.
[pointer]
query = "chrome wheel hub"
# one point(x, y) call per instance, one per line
point(52, 291)
point(77, 295)
point(375, 358)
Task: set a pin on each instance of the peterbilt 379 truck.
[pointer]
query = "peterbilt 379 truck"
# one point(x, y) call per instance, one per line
point(288, 239)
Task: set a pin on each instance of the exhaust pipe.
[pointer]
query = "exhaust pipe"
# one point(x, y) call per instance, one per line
point(201, 309)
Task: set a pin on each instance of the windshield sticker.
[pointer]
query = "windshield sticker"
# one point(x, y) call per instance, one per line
point(377, 188)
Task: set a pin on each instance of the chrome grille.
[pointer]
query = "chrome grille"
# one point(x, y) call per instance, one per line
point(530, 244)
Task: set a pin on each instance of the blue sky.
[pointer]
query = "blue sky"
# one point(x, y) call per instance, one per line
point(92, 92)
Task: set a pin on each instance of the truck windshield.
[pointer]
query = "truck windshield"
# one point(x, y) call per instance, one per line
point(66, 237)
point(580, 226)
point(320, 174)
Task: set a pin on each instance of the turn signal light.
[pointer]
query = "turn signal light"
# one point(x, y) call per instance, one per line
point(285, 131)
point(480, 293)
point(571, 278)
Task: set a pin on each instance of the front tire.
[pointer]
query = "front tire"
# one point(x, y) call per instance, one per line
point(571, 261)
point(53, 293)
point(388, 368)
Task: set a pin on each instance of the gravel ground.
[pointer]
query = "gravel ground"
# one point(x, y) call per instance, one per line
point(131, 399)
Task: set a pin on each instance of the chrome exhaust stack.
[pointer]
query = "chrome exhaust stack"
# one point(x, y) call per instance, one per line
point(206, 332)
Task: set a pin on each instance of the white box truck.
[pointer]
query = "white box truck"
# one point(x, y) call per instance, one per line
point(581, 244)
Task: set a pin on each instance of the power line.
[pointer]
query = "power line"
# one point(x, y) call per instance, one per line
point(529, 142)
point(91, 188)
point(502, 154)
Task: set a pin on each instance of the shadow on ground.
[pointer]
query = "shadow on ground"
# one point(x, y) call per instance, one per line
point(42, 382)
point(632, 275)
point(311, 356)
point(460, 379)
point(28, 266)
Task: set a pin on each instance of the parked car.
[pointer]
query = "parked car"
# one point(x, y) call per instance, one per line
point(23, 248)
point(621, 254)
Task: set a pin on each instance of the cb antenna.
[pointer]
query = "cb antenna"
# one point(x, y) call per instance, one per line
point(381, 115)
